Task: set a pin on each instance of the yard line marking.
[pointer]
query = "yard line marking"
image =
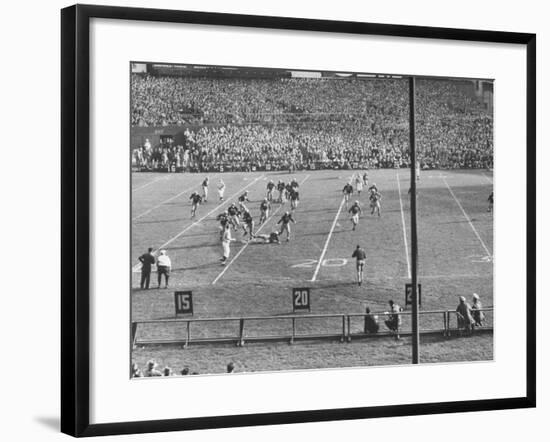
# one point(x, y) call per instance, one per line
point(246, 245)
point(149, 183)
point(404, 228)
point(324, 251)
point(171, 240)
point(162, 203)
point(489, 180)
point(467, 218)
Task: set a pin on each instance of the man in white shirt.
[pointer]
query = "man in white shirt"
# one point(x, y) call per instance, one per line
point(163, 267)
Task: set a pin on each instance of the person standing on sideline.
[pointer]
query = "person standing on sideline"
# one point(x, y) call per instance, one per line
point(394, 318)
point(477, 311)
point(226, 240)
point(371, 322)
point(164, 266)
point(147, 260)
point(464, 317)
point(360, 257)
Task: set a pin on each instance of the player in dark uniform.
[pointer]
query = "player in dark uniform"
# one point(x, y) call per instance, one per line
point(360, 257)
point(196, 199)
point(242, 199)
point(234, 213)
point(248, 226)
point(294, 183)
point(375, 198)
point(347, 191)
point(285, 221)
point(270, 187)
point(271, 238)
point(288, 189)
point(373, 187)
point(294, 198)
point(280, 189)
point(265, 207)
point(365, 178)
point(491, 201)
point(223, 218)
point(355, 211)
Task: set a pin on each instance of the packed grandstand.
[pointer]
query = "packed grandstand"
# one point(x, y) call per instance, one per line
point(307, 123)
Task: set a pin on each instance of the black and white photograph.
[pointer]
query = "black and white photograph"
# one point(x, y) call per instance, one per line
point(285, 219)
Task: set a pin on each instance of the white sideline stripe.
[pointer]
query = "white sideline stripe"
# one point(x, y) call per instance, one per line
point(162, 203)
point(171, 240)
point(467, 218)
point(246, 245)
point(404, 228)
point(324, 251)
point(149, 183)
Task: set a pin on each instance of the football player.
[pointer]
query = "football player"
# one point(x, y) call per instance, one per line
point(347, 191)
point(285, 221)
point(270, 187)
point(281, 189)
point(265, 207)
point(248, 226)
point(221, 189)
point(491, 201)
point(355, 211)
point(196, 199)
point(360, 258)
point(294, 198)
point(242, 199)
point(375, 198)
point(205, 189)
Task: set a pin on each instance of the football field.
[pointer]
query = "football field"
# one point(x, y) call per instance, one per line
point(455, 243)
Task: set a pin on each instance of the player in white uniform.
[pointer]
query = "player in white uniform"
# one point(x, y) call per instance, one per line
point(358, 184)
point(226, 241)
point(205, 190)
point(221, 189)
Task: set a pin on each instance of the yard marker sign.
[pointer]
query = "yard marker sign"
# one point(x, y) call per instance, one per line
point(408, 294)
point(183, 302)
point(301, 299)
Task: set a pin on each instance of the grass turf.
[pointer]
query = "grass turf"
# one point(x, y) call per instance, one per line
point(453, 261)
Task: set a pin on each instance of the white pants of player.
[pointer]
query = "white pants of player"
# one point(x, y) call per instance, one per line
point(205, 192)
point(226, 250)
point(221, 192)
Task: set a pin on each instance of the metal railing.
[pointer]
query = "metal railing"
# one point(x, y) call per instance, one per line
point(343, 327)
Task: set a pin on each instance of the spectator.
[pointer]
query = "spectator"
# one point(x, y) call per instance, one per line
point(151, 369)
point(136, 372)
point(147, 260)
point(242, 124)
point(477, 312)
point(184, 371)
point(164, 266)
point(464, 317)
point(371, 322)
point(231, 367)
point(167, 371)
point(394, 318)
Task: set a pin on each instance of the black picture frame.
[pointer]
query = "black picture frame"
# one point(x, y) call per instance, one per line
point(75, 214)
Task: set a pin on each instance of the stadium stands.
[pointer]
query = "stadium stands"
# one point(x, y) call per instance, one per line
point(258, 124)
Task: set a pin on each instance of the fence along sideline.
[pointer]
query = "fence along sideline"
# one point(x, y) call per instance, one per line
point(344, 334)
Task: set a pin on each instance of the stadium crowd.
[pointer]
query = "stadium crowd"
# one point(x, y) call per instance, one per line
point(309, 123)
